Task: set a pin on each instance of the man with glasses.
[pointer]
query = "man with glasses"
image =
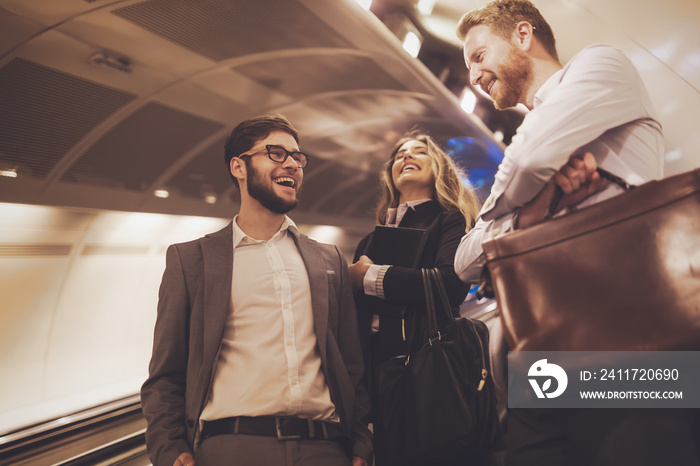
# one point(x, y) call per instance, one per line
point(256, 357)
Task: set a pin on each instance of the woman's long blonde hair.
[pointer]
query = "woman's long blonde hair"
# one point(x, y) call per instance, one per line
point(449, 190)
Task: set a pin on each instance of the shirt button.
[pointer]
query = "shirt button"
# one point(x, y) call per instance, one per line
point(289, 343)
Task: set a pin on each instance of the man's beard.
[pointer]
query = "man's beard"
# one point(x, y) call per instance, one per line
point(264, 192)
point(515, 76)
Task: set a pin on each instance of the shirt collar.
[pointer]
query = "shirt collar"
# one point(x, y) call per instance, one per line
point(547, 88)
point(394, 215)
point(239, 235)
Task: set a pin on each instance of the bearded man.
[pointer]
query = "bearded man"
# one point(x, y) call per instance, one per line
point(256, 356)
point(592, 112)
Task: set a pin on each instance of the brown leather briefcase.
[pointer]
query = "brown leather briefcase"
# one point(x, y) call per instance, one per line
point(623, 274)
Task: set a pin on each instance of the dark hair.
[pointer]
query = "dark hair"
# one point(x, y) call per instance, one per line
point(501, 16)
point(249, 132)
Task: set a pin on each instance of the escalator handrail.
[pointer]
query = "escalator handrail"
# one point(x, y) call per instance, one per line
point(44, 432)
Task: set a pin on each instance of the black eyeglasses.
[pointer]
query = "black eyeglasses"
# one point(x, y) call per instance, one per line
point(279, 154)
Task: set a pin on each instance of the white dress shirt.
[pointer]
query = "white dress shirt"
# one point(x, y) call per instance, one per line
point(597, 103)
point(268, 362)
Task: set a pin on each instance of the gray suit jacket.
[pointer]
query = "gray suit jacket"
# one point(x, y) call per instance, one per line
point(193, 307)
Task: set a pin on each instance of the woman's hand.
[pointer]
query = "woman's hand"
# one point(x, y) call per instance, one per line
point(358, 271)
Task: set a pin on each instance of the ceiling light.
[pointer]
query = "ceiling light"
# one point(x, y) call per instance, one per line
point(325, 234)
point(162, 193)
point(673, 155)
point(412, 43)
point(9, 172)
point(468, 100)
point(425, 7)
point(118, 63)
point(210, 199)
point(364, 4)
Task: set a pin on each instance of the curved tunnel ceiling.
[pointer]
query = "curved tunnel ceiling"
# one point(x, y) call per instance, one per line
point(105, 102)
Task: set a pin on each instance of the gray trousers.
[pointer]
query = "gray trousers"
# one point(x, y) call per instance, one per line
point(258, 450)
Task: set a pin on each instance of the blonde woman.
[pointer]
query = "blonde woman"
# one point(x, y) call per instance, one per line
point(422, 189)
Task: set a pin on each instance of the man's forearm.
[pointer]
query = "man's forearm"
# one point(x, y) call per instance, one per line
point(469, 258)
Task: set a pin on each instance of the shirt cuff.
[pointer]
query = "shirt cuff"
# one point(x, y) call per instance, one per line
point(374, 280)
point(503, 225)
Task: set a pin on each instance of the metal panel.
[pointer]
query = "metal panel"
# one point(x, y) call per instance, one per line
point(135, 152)
point(46, 112)
point(204, 175)
point(110, 249)
point(391, 107)
point(19, 250)
point(338, 201)
point(316, 187)
point(315, 74)
point(221, 29)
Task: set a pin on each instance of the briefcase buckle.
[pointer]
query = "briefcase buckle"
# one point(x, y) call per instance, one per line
point(280, 435)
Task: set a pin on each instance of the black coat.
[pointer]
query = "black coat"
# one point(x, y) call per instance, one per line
point(404, 286)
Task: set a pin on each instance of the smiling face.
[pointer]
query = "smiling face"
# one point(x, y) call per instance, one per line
point(412, 172)
point(499, 67)
point(273, 185)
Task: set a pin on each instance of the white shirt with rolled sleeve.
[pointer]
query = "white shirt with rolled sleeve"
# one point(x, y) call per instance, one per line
point(597, 103)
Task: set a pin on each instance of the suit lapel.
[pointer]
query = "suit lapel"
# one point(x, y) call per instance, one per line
point(318, 282)
point(217, 254)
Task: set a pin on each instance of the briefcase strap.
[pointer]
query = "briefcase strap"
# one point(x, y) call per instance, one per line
point(434, 287)
point(616, 179)
point(559, 193)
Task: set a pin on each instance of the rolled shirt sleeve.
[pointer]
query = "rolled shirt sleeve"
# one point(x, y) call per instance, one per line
point(469, 258)
point(583, 107)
